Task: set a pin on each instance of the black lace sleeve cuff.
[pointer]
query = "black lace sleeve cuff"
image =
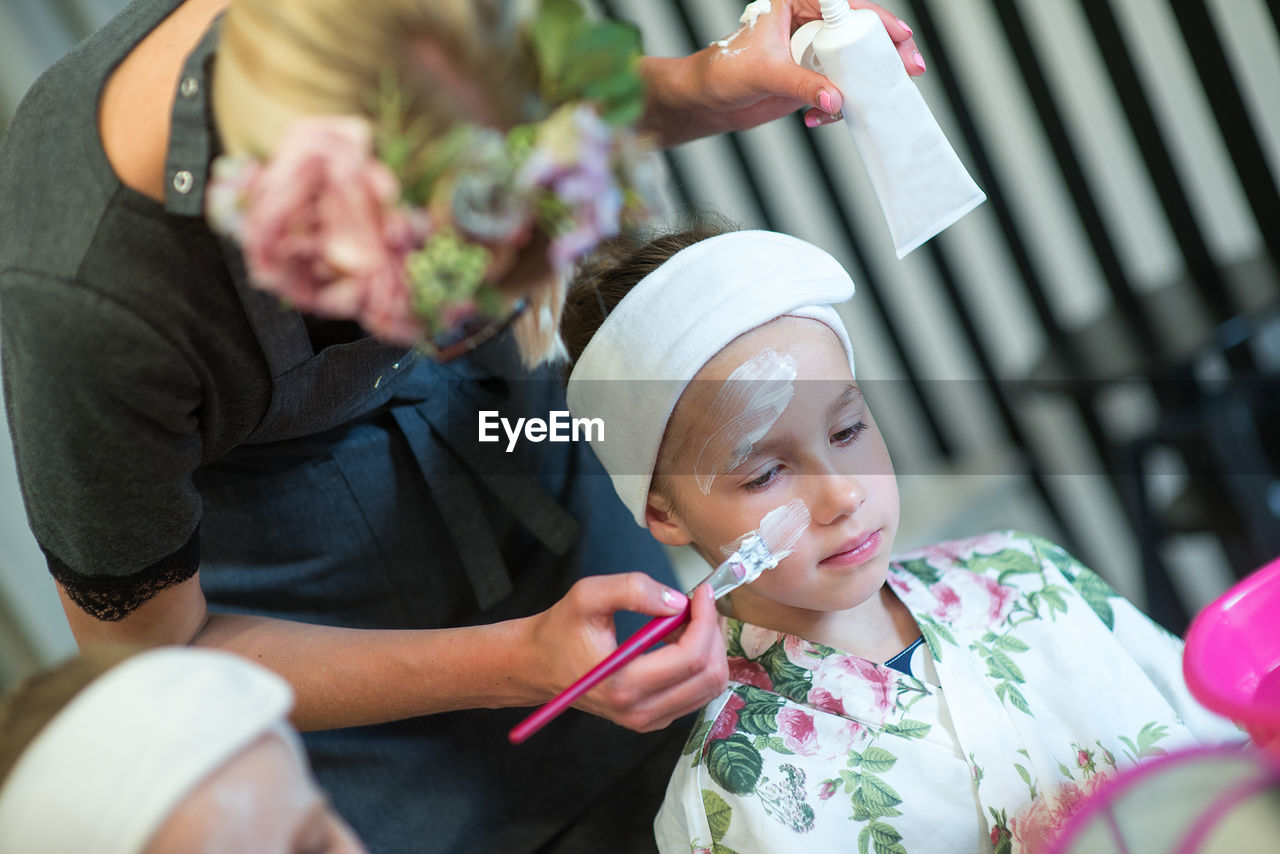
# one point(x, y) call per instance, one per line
point(111, 598)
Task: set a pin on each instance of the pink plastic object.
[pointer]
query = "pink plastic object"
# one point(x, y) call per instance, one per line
point(648, 636)
point(1232, 657)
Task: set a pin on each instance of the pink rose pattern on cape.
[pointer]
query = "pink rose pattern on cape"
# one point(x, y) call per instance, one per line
point(749, 673)
point(970, 601)
point(814, 725)
point(862, 688)
point(1035, 827)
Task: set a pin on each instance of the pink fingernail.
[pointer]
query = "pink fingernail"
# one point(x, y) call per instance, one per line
point(919, 61)
point(674, 599)
point(904, 26)
point(812, 121)
point(824, 101)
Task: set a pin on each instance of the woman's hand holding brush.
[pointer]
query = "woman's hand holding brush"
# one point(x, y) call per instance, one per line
point(654, 689)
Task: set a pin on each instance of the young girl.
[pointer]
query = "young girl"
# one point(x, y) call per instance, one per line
point(964, 697)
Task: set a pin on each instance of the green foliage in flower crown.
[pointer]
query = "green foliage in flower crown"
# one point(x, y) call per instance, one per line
point(445, 270)
point(581, 59)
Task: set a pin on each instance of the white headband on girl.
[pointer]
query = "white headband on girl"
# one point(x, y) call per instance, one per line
point(673, 321)
point(103, 775)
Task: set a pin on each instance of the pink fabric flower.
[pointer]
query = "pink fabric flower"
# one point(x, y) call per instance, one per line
point(828, 789)
point(825, 737)
point(726, 723)
point(798, 733)
point(800, 652)
point(757, 641)
point(1035, 827)
point(968, 600)
point(953, 551)
point(864, 690)
point(324, 230)
point(749, 673)
point(821, 698)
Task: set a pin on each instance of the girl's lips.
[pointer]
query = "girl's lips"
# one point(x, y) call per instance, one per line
point(862, 552)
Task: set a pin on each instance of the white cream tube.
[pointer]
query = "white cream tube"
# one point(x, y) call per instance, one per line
point(920, 182)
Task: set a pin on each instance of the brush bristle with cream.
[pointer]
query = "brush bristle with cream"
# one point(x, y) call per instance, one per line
point(762, 549)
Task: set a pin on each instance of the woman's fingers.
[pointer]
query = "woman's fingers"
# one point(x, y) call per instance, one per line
point(901, 34)
point(680, 677)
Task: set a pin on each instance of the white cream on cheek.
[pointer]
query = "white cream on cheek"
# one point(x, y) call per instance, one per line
point(742, 413)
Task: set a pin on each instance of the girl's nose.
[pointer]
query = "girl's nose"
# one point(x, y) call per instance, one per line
point(835, 496)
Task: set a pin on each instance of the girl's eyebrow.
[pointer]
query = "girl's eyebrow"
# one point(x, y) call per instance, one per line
point(851, 395)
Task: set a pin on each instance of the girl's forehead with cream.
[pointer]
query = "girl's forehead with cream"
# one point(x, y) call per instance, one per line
point(781, 334)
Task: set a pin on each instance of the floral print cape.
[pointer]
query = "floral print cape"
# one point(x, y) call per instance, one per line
point(1038, 683)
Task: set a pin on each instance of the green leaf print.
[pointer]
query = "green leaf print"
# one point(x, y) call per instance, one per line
point(719, 814)
point(879, 795)
point(1011, 643)
point(734, 764)
point(733, 643)
point(1057, 604)
point(877, 760)
point(921, 569)
point(1018, 701)
point(788, 678)
point(760, 714)
point(864, 841)
point(934, 635)
point(1096, 592)
point(699, 735)
point(886, 839)
point(1002, 667)
point(907, 728)
point(720, 848)
point(861, 809)
point(1007, 562)
point(1150, 733)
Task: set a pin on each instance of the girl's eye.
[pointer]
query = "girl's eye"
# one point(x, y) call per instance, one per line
point(848, 434)
point(763, 480)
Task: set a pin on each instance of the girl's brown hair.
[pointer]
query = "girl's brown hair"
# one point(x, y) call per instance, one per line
point(607, 276)
point(41, 697)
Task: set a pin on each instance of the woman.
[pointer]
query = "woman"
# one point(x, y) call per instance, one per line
point(200, 466)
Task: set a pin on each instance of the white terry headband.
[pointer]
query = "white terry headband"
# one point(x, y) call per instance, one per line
point(103, 775)
point(673, 321)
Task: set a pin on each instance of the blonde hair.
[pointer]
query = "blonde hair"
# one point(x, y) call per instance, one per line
point(280, 60)
point(448, 60)
point(40, 698)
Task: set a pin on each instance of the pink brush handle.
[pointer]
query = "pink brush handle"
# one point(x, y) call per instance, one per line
point(653, 631)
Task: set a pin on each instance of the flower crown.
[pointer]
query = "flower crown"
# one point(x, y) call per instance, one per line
point(366, 220)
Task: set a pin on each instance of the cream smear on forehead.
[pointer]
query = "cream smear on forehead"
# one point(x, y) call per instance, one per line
point(744, 410)
point(747, 20)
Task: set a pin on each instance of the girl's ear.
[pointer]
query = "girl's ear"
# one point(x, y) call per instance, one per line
point(663, 522)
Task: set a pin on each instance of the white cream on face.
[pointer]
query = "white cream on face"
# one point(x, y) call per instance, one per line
point(742, 413)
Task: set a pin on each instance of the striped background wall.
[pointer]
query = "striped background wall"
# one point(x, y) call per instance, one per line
point(1091, 355)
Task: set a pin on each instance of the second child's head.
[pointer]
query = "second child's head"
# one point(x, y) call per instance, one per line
point(725, 383)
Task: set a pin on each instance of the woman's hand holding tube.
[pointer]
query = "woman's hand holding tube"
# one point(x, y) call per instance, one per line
point(576, 633)
point(749, 78)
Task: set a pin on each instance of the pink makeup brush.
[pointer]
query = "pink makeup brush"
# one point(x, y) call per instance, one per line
point(755, 552)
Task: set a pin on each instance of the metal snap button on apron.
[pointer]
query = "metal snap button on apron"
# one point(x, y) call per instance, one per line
point(183, 181)
point(190, 87)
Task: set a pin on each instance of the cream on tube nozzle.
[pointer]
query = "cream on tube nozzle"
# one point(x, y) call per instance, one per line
point(920, 182)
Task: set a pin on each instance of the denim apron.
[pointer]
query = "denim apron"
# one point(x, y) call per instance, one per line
point(399, 518)
point(364, 499)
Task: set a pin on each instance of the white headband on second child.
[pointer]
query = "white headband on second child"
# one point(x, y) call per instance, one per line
point(673, 321)
point(104, 774)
